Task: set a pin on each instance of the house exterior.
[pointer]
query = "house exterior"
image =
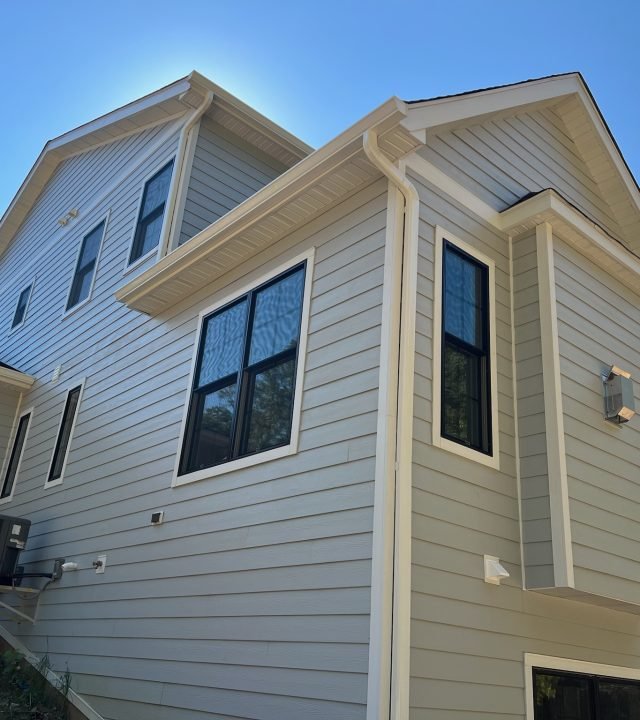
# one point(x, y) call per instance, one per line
point(323, 431)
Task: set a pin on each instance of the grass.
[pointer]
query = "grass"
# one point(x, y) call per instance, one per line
point(25, 692)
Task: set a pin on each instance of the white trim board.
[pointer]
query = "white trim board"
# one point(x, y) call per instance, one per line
point(547, 662)
point(493, 460)
point(15, 378)
point(554, 418)
point(236, 291)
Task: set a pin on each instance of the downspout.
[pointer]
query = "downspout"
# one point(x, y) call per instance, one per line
point(179, 177)
point(388, 695)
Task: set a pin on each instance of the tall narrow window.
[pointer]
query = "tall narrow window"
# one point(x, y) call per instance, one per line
point(21, 307)
point(244, 383)
point(85, 267)
point(16, 456)
point(466, 403)
point(151, 216)
point(64, 434)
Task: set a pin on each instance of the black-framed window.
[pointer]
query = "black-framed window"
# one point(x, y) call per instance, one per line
point(86, 266)
point(64, 434)
point(561, 695)
point(21, 308)
point(244, 382)
point(151, 215)
point(16, 455)
point(466, 372)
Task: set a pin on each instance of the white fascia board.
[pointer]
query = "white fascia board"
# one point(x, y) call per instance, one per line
point(155, 98)
point(442, 111)
point(267, 199)
point(253, 117)
point(607, 140)
point(15, 378)
point(548, 206)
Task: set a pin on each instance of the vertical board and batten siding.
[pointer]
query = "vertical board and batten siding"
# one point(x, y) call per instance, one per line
point(534, 474)
point(504, 159)
point(468, 638)
point(599, 326)
point(225, 171)
point(252, 599)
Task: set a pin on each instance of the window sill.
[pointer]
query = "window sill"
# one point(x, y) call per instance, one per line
point(6, 500)
point(52, 483)
point(131, 267)
point(233, 465)
point(491, 461)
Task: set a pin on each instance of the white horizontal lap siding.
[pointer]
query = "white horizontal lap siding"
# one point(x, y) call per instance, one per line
point(252, 599)
point(224, 172)
point(74, 185)
point(504, 159)
point(468, 638)
point(599, 325)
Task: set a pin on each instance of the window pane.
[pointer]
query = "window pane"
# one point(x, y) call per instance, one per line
point(90, 247)
point(461, 397)
point(619, 700)
point(223, 344)
point(85, 268)
point(81, 287)
point(269, 417)
point(463, 300)
point(157, 190)
point(212, 436)
point(14, 460)
point(149, 235)
point(21, 307)
point(62, 443)
point(561, 697)
point(276, 322)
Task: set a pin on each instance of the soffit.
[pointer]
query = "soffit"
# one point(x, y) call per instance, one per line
point(326, 177)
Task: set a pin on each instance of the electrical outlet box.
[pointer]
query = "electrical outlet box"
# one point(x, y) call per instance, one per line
point(100, 563)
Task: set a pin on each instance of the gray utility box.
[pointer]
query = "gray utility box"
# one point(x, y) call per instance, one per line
point(13, 538)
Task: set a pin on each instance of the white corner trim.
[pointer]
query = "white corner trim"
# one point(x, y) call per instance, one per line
point(58, 481)
point(236, 291)
point(554, 422)
point(454, 190)
point(75, 699)
point(516, 429)
point(547, 662)
point(381, 615)
point(10, 446)
point(104, 219)
point(493, 460)
point(182, 171)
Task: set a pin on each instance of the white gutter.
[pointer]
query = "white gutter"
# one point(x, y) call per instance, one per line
point(178, 187)
point(389, 652)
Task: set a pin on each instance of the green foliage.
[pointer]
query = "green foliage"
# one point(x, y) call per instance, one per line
point(25, 692)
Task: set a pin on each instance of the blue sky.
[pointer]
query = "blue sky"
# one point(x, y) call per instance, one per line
point(313, 68)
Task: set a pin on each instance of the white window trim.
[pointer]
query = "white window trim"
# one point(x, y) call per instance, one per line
point(5, 464)
point(157, 251)
point(53, 483)
point(105, 218)
point(493, 460)
point(274, 453)
point(26, 309)
point(547, 662)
